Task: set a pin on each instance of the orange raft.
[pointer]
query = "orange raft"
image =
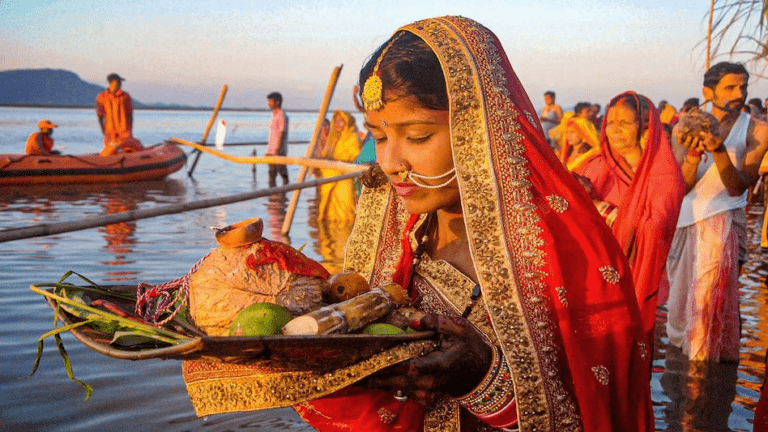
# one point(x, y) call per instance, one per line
point(152, 163)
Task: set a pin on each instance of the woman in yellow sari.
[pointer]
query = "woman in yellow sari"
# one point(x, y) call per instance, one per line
point(579, 142)
point(337, 199)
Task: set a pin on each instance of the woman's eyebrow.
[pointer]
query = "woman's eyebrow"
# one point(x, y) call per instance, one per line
point(405, 123)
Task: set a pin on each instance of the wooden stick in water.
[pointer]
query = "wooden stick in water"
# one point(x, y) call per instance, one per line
point(311, 147)
point(285, 160)
point(62, 227)
point(209, 126)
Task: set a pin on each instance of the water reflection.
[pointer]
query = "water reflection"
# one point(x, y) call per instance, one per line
point(700, 393)
point(330, 237)
point(276, 209)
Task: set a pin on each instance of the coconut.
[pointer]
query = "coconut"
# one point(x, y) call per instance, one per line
point(694, 122)
point(231, 279)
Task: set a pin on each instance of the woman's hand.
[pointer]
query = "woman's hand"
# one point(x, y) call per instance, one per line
point(456, 367)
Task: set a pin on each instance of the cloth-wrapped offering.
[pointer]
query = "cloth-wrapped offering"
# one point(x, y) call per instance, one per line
point(191, 318)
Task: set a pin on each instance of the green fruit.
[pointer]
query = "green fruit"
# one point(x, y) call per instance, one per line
point(260, 319)
point(382, 329)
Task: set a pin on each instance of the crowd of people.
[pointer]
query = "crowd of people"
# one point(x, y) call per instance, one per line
point(671, 209)
point(538, 245)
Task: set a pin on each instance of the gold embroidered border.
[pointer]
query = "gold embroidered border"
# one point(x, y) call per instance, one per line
point(239, 388)
point(455, 288)
point(527, 334)
point(373, 247)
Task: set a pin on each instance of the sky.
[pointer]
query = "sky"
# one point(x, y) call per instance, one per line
point(183, 52)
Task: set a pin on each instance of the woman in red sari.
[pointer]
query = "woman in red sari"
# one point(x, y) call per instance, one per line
point(638, 187)
point(472, 208)
point(554, 341)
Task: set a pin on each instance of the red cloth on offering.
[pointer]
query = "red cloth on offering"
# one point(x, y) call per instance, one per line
point(287, 258)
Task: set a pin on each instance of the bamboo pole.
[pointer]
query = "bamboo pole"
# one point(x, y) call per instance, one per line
point(311, 147)
point(709, 33)
point(282, 160)
point(209, 126)
point(42, 230)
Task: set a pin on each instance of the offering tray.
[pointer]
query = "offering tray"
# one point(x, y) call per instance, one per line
point(180, 339)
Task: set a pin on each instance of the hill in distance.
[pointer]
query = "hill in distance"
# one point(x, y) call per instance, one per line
point(48, 87)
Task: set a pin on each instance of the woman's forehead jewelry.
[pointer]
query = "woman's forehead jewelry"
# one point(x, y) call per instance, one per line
point(384, 123)
point(373, 89)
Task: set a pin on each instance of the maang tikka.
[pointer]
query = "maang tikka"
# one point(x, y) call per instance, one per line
point(373, 89)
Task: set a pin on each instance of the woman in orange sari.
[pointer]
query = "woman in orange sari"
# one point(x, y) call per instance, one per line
point(638, 187)
point(517, 272)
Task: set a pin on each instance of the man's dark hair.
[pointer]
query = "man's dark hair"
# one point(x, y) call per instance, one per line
point(690, 103)
point(718, 71)
point(276, 96)
point(756, 102)
point(549, 93)
point(581, 106)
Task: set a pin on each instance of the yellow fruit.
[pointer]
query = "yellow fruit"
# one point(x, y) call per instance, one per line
point(382, 329)
point(345, 285)
point(260, 319)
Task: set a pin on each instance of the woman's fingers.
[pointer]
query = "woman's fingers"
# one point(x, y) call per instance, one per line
point(448, 326)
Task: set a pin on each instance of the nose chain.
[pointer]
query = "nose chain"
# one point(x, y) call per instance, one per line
point(417, 178)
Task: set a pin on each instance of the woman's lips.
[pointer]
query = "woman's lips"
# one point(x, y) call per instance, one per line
point(404, 189)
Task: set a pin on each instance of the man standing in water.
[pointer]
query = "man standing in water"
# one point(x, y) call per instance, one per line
point(115, 112)
point(551, 114)
point(277, 144)
point(710, 241)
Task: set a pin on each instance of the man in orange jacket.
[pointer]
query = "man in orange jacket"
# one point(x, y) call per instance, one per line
point(115, 112)
point(41, 143)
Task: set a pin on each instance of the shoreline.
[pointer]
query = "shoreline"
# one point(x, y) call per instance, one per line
point(152, 107)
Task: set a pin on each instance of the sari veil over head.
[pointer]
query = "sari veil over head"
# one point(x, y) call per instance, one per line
point(556, 285)
point(648, 205)
point(588, 134)
point(557, 293)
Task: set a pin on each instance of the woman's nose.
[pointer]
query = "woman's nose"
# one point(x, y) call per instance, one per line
point(390, 158)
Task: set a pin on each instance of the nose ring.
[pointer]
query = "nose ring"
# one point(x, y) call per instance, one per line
point(404, 174)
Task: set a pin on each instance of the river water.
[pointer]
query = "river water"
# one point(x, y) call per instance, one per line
point(150, 394)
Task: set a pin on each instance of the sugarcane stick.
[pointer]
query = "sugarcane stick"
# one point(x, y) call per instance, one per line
point(349, 315)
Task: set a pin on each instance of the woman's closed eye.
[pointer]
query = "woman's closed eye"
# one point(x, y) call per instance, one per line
point(420, 138)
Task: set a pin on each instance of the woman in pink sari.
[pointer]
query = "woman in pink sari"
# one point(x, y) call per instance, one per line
point(638, 187)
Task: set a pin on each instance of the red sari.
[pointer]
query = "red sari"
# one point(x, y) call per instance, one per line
point(557, 290)
point(648, 202)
